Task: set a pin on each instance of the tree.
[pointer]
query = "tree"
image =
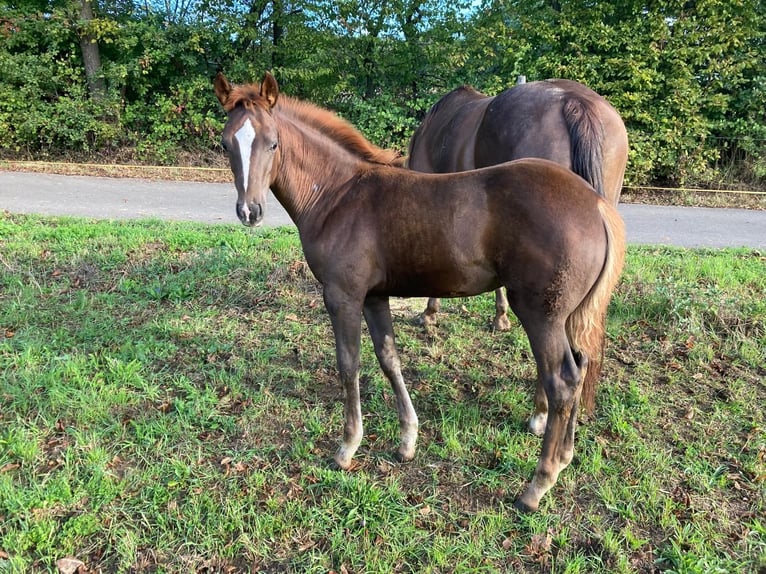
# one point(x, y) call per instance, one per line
point(90, 53)
point(686, 75)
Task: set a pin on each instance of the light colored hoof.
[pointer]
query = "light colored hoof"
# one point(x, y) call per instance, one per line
point(428, 320)
point(406, 450)
point(501, 323)
point(405, 453)
point(537, 423)
point(343, 458)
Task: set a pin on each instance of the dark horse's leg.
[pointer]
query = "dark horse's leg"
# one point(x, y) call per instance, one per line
point(428, 317)
point(500, 322)
point(377, 313)
point(560, 374)
point(346, 319)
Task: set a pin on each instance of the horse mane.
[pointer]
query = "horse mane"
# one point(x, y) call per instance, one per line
point(324, 121)
point(336, 128)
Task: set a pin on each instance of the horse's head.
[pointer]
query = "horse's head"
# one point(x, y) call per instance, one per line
point(251, 140)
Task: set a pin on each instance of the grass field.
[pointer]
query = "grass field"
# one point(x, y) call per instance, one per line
point(169, 404)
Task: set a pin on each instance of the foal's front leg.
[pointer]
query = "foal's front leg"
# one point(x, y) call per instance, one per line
point(377, 313)
point(347, 326)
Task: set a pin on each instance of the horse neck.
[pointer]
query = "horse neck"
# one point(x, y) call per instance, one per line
point(312, 167)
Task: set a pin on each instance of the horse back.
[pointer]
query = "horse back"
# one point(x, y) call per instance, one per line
point(445, 140)
point(559, 120)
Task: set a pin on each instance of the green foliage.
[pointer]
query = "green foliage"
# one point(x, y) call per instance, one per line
point(687, 77)
point(679, 73)
point(384, 119)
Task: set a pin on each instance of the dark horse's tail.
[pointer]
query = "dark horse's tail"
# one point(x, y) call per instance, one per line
point(586, 326)
point(587, 135)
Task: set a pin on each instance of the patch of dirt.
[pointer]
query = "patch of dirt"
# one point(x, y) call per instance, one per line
point(215, 172)
point(732, 198)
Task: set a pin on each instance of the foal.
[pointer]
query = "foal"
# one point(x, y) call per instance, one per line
point(370, 231)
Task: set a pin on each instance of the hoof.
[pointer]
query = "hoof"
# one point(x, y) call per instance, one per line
point(427, 320)
point(403, 457)
point(501, 323)
point(342, 460)
point(525, 508)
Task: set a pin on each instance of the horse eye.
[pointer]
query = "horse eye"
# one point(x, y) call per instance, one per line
point(273, 146)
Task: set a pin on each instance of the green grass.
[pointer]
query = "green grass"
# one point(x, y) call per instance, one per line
point(169, 404)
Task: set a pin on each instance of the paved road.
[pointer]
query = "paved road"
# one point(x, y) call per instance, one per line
point(111, 198)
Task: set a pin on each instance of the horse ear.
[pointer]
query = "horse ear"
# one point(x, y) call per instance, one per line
point(222, 88)
point(270, 89)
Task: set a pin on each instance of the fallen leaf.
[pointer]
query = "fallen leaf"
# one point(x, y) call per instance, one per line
point(70, 565)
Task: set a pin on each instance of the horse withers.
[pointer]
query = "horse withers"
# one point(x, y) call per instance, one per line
point(370, 231)
point(559, 120)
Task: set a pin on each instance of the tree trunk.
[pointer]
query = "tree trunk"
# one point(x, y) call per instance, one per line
point(277, 32)
point(91, 56)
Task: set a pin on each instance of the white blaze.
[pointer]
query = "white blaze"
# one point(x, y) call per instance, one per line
point(245, 136)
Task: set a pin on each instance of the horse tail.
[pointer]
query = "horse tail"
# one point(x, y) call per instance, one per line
point(586, 326)
point(586, 134)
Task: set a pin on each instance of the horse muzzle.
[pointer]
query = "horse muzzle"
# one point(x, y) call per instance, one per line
point(250, 213)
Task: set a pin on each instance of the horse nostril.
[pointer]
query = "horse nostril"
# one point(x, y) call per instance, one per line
point(250, 213)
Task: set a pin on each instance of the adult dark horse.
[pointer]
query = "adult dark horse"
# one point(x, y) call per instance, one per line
point(559, 120)
point(370, 231)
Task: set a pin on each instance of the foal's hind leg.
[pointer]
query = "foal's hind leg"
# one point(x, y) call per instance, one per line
point(560, 375)
point(377, 313)
point(540, 417)
point(566, 450)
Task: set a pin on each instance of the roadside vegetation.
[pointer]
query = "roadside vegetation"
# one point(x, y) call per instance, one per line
point(112, 81)
point(170, 404)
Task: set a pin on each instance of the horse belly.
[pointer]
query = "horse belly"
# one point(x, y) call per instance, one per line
point(425, 273)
